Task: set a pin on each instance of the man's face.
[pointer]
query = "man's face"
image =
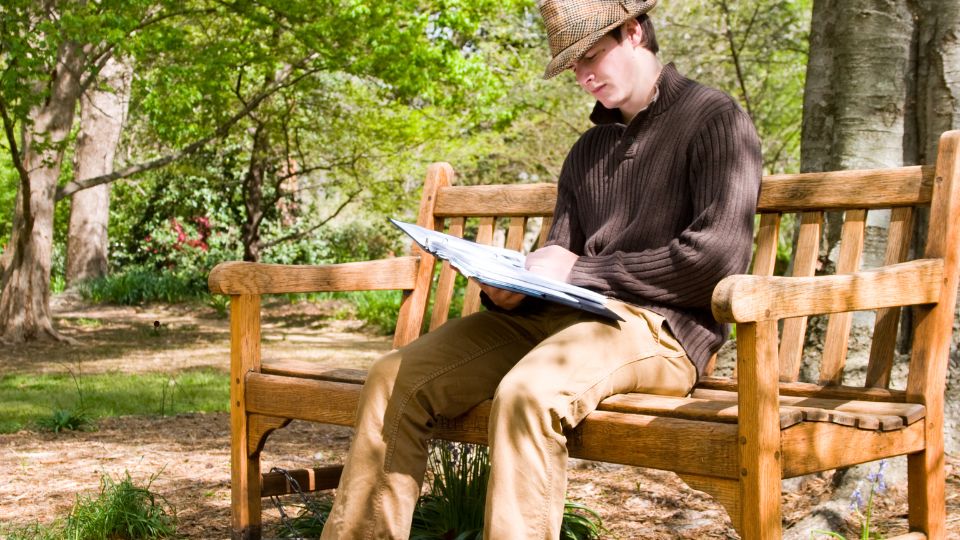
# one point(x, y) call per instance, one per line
point(606, 71)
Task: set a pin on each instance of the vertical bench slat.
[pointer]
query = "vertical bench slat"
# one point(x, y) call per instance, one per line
point(885, 329)
point(518, 226)
point(838, 329)
point(804, 265)
point(471, 300)
point(544, 232)
point(446, 281)
point(767, 236)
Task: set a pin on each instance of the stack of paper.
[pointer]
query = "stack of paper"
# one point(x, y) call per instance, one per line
point(503, 268)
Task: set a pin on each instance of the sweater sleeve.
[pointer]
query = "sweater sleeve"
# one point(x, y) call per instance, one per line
point(724, 177)
point(565, 230)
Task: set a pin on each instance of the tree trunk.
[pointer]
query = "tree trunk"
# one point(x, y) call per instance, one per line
point(25, 294)
point(853, 108)
point(102, 111)
point(253, 194)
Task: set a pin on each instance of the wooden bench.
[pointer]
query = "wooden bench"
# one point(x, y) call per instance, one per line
point(734, 438)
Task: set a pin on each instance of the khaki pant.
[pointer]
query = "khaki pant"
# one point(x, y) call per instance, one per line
point(546, 366)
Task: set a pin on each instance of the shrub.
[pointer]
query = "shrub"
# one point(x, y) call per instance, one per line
point(141, 284)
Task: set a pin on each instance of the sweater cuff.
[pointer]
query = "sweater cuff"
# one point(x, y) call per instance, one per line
point(584, 273)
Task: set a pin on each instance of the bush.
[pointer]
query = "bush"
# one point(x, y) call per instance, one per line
point(140, 284)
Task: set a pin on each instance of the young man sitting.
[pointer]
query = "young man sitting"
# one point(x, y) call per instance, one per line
point(655, 206)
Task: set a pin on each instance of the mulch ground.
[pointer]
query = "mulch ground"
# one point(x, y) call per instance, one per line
point(41, 474)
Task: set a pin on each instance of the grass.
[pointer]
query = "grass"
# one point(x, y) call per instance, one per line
point(31, 400)
point(122, 510)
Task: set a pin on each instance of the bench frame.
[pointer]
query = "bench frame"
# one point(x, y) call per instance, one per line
point(734, 438)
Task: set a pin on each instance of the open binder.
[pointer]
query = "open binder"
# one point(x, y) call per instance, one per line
point(504, 269)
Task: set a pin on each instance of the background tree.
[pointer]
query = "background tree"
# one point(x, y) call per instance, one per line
point(354, 38)
point(103, 108)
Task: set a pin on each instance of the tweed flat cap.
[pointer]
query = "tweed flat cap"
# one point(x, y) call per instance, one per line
point(574, 26)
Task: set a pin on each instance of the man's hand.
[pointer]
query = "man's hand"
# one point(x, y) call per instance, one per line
point(553, 262)
point(501, 297)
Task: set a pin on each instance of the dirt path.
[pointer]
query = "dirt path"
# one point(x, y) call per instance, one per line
point(41, 473)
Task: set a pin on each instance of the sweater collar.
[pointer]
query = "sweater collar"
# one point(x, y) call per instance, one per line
point(669, 85)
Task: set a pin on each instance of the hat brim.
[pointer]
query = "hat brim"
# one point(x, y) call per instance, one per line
point(565, 58)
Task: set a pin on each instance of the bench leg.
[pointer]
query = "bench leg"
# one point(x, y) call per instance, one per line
point(759, 430)
point(926, 495)
point(245, 493)
point(724, 491)
point(244, 463)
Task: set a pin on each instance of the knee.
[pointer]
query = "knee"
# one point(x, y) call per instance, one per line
point(382, 375)
point(518, 398)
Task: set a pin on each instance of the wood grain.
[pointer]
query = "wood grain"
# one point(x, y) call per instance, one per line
point(884, 342)
point(931, 345)
point(745, 298)
point(841, 190)
point(837, 338)
point(244, 469)
point(820, 446)
point(258, 278)
point(443, 295)
point(758, 432)
point(497, 201)
point(805, 261)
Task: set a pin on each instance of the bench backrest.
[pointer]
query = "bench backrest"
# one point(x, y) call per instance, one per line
point(520, 216)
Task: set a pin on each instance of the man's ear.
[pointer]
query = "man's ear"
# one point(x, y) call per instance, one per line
point(632, 32)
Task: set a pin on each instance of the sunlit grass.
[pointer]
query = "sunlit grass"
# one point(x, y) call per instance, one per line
point(27, 400)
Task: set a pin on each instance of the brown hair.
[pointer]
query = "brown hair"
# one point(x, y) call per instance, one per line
point(649, 36)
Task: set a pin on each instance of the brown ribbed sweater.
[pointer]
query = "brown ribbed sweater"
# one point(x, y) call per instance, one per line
point(662, 209)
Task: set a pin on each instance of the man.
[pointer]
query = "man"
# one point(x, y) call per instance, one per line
point(655, 205)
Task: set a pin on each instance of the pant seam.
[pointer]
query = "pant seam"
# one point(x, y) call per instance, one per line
point(395, 424)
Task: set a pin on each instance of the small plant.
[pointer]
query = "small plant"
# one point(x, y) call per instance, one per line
point(123, 510)
point(69, 419)
point(863, 509)
point(454, 506)
point(32, 531)
point(64, 420)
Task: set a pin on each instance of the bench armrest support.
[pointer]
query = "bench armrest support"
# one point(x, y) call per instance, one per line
point(236, 278)
point(746, 298)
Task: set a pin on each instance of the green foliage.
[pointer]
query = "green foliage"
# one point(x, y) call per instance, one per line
point(26, 399)
point(378, 309)
point(455, 503)
point(454, 506)
point(66, 420)
point(138, 285)
point(311, 517)
point(756, 52)
point(31, 531)
point(123, 510)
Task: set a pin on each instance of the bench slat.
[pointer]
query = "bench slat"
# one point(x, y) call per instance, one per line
point(841, 190)
point(804, 265)
point(804, 389)
point(838, 329)
point(259, 278)
point(500, 200)
point(884, 342)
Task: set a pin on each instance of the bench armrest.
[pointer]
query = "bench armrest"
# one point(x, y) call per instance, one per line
point(746, 298)
point(237, 278)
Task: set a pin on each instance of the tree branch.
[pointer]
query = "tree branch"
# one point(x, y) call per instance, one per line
point(301, 234)
point(75, 186)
